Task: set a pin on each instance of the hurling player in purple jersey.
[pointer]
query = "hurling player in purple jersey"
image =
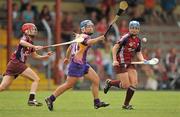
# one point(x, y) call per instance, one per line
point(124, 51)
point(16, 66)
point(78, 66)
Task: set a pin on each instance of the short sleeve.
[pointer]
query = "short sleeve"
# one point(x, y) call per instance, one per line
point(32, 50)
point(23, 38)
point(85, 41)
point(139, 47)
point(121, 40)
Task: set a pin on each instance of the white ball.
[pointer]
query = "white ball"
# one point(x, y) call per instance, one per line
point(144, 40)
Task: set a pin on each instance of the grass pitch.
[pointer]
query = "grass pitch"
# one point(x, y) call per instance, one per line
point(80, 104)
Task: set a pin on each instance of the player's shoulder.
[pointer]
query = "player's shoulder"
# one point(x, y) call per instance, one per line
point(26, 38)
point(124, 37)
point(85, 36)
point(138, 39)
point(23, 38)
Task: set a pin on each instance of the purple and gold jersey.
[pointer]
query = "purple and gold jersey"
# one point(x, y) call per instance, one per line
point(128, 47)
point(79, 51)
point(22, 52)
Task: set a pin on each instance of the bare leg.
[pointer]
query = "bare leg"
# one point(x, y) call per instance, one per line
point(32, 76)
point(132, 76)
point(92, 75)
point(6, 82)
point(67, 85)
point(29, 73)
point(124, 80)
point(60, 90)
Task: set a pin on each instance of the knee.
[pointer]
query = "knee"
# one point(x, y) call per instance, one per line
point(2, 88)
point(69, 85)
point(96, 82)
point(37, 79)
point(125, 86)
point(134, 84)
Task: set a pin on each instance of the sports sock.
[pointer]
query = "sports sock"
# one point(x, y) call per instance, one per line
point(115, 83)
point(31, 96)
point(129, 94)
point(96, 101)
point(52, 98)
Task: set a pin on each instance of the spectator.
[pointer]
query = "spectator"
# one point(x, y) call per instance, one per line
point(151, 15)
point(160, 69)
point(173, 76)
point(16, 20)
point(94, 17)
point(171, 59)
point(151, 78)
point(123, 27)
point(132, 5)
point(67, 27)
point(168, 7)
point(45, 13)
point(28, 15)
point(106, 7)
point(91, 5)
point(101, 26)
point(137, 15)
point(24, 4)
point(107, 60)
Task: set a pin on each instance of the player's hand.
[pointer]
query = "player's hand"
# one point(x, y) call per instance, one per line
point(38, 47)
point(115, 63)
point(66, 61)
point(75, 34)
point(50, 53)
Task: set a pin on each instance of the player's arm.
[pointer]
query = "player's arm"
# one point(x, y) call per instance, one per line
point(139, 53)
point(140, 56)
point(68, 54)
point(95, 40)
point(114, 53)
point(26, 44)
point(45, 57)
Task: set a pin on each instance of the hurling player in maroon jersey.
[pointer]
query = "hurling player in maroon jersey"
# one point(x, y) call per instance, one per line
point(16, 66)
point(124, 51)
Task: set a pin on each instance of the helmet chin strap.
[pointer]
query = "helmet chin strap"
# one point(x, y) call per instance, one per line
point(31, 36)
point(90, 33)
point(133, 34)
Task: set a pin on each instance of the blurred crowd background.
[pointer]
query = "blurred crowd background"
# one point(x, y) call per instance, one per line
point(160, 24)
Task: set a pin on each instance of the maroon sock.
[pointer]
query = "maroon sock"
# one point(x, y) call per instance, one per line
point(115, 83)
point(129, 94)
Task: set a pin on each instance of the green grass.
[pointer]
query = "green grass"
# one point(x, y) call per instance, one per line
point(80, 104)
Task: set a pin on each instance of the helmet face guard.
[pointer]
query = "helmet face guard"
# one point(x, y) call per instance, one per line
point(29, 29)
point(134, 25)
point(86, 23)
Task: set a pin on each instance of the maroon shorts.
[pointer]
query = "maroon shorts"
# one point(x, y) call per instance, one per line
point(122, 68)
point(14, 68)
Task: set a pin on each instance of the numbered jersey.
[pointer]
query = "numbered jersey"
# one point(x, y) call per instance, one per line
point(79, 51)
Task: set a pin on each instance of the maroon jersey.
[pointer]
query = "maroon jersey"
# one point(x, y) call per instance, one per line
point(22, 52)
point(128, 48)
